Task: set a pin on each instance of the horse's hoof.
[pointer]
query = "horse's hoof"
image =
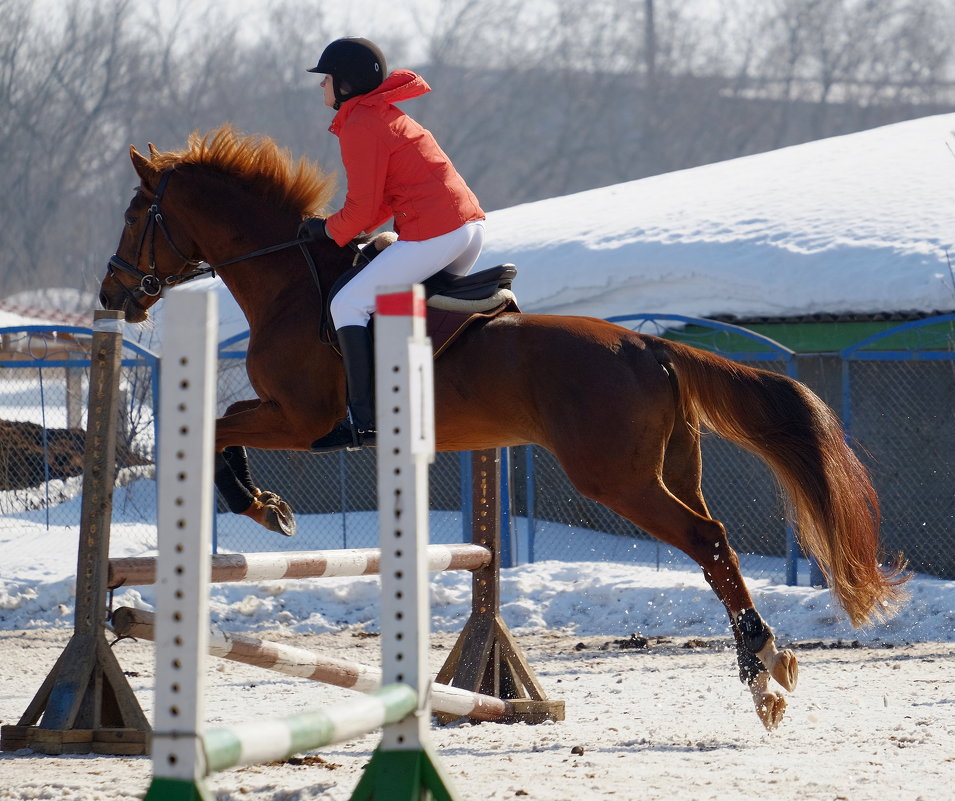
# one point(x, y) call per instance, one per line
point(771, 708)
point(268, 497)
point(274, 513)
point(279, 517)
point(785, 669)
point(782, 665)
point(770, 705)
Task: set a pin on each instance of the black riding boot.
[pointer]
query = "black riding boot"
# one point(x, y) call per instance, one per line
point(358, 429)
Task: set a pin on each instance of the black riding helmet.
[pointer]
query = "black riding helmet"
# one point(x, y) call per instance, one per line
point(356, 65)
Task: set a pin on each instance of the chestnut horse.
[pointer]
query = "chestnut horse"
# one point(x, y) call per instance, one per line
point(621, 411)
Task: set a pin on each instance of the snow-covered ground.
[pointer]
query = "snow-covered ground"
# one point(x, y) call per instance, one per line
point(870, 716)
point(38, 567)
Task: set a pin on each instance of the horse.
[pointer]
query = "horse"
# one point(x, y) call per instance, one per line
point(621, 411)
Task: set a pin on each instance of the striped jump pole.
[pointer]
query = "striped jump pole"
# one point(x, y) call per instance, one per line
point(271, 740)
point(137, 571)
point(402, 767)
point(451, 702)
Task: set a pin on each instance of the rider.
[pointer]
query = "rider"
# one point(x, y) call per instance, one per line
point(394, 169)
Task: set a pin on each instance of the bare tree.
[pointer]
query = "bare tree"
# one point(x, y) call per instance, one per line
point(65, 93)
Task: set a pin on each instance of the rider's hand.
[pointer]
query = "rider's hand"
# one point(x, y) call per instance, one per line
point(313, 228)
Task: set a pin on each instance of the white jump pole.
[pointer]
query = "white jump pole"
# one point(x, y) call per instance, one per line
point(187, 413)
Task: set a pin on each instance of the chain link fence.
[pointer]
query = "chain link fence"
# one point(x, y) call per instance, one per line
point(44, 387)
point(898, 402)
point(334, 495)
point(895, 394)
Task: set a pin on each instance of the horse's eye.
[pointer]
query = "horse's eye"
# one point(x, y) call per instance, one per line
point(130, 220)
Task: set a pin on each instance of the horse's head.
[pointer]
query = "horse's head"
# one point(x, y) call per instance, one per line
point(154, 251)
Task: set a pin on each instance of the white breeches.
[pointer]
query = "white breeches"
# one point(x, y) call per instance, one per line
point(404, 262)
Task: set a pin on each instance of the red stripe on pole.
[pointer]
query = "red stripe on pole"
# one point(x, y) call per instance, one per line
point(401, 304)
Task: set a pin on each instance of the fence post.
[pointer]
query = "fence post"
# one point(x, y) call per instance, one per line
point(508, 557)
point(530, 479)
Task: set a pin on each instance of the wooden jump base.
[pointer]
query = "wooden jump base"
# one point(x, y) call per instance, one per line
point(291, 661)
point(85, 703)
point(141, 570)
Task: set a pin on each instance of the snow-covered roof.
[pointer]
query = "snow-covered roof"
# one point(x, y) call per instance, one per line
point(862, 223)
point(60, 306)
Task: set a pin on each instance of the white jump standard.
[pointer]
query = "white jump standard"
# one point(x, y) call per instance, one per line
point(403, 767)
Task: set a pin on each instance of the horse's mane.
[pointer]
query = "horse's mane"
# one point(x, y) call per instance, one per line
point(259, 163)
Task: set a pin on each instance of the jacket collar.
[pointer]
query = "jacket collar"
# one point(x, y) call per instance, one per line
point(399, 85)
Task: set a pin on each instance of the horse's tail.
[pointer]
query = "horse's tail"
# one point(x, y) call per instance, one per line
point(833, 503)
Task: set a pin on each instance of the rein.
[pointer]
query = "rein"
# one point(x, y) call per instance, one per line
point(151, 285)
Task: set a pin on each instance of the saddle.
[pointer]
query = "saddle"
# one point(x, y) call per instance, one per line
point(454, 302)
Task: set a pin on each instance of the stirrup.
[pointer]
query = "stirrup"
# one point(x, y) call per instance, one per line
point(364, 439)
point(345, 436)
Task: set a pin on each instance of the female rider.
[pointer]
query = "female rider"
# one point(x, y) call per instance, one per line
point(394, 169)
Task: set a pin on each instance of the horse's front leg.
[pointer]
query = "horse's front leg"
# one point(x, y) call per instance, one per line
point(233, 476)
point(234, 482)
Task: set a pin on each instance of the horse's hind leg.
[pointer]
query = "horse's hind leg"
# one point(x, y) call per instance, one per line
point(659, 512)
point(683, 521)
point(756, 653)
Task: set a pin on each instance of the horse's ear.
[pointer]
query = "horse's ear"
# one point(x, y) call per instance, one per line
point(152, 150)
point(144, 168)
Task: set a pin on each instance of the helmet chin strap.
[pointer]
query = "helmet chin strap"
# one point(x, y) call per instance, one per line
point(342, 92)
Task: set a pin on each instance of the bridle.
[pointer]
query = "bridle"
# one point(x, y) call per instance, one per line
point(150, 283)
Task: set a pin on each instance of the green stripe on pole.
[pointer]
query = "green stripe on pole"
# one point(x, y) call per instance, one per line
point(399, 700)
point(225, 748)
point(309, 728)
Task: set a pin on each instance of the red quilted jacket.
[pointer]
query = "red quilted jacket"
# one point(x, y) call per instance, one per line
point(395, 168)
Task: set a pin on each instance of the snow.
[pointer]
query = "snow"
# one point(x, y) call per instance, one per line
point(582, 598)
point(861, 223)
point(872, 710)
point(56, 306)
